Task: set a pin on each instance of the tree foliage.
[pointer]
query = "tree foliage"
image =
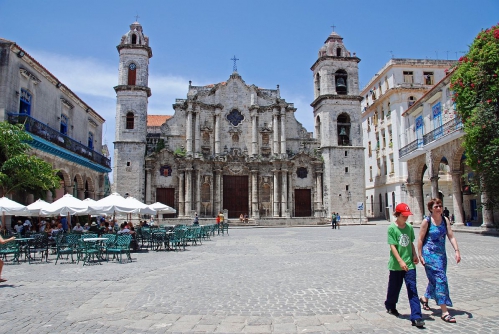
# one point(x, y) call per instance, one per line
point(18, 170)
point(475, 83)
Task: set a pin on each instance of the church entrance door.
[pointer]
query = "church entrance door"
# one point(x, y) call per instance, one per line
point(235, 198)
point(166, 196)
point(303, 203)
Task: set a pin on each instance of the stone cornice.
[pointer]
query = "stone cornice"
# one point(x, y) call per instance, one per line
point(122, 88)
point(335, 97)
point(355, 59)
point(135, 46)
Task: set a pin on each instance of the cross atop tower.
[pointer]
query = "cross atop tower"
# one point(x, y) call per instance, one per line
point(333, 26)
point(137, 18)
point(234, 68)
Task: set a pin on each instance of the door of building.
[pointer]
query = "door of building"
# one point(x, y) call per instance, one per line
point(166, 196)
point(235, 197)
point(303, 203)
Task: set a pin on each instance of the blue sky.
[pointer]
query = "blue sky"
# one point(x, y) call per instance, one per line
point(276, 41)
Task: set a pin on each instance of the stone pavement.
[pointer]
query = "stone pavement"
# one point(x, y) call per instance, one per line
point(257, 280)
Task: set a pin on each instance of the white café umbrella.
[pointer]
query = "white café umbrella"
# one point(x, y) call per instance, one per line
point(142, 208)
point(66, 205)
point(163, 208)
point(116, 203)
point(10, 208)
point(35, 207)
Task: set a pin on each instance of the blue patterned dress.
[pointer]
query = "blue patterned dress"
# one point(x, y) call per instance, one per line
point(436, 264)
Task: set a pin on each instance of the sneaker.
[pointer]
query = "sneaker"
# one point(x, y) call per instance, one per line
point(393, 311)
point(418, 323)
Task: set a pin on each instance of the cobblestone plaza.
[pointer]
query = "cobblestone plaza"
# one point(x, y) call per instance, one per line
point(256, 280)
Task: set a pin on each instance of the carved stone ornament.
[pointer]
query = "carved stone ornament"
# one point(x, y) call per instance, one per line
point(302, 172)
point(28, 75)
point(165, 170)
point(92, 122)
point(66, 103)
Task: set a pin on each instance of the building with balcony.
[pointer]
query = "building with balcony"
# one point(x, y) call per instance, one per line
point(394, 89)
point(66, 131)
point(435, 158)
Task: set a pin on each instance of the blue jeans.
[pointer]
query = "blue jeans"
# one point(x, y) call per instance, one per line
point(394, 286)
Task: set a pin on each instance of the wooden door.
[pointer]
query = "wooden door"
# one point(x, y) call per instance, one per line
point(303, 203)
point(166, 196)
point(235, 197)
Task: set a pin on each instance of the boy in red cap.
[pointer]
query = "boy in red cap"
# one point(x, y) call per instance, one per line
point(402, 265)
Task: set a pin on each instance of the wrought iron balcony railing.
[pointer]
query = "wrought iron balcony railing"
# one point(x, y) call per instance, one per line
point(44, 131)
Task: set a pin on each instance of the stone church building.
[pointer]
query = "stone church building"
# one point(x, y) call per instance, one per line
point(236, 147)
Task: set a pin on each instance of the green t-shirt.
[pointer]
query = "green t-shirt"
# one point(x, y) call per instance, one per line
point(402, 238)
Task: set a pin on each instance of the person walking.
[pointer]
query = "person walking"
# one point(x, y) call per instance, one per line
point(431, 249)
point(402, 265)
point(338, 218)
point(4, 241)
point(333, 221)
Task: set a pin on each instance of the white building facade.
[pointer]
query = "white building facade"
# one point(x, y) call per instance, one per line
point(66, 131)
point(396, 87)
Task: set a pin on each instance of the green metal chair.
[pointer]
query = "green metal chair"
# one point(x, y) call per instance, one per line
point(122, 245)
point(66, 244)
point(10, 248)
point(88, 251)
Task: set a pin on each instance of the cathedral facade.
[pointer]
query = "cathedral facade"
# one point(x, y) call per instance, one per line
point(236, 147)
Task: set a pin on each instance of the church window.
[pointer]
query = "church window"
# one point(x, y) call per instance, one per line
point(128, 163)
point(318, 84)
point(408, 77)
point(343, 128)
point(132, 74)
point(235, 138)
point(318, 128)
point(346, 187)
point(338, 52)
point(130, 119)
point(25, 102)
point(346, 169)
point(64, 125)
point(340, 78)
point(91, 140)
point(165, 171)
point(206, 138)
point(235, 117)
point(134, 39)
point(346, 153)
point(428, 78)
point(302, 172)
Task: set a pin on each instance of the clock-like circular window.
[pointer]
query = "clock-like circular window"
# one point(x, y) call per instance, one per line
point(132, 66)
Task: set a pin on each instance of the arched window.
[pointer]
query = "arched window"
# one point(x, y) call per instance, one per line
point(343, 130)
point(341, 79)
point(132, 74)
point(130, 119)
point(25, 102)
point(318, 84)
point(75, 187)
point(338, 52)
point(134, 39)
point(318, 128)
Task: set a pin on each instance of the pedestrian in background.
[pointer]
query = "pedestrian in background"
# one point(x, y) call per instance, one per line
point(431, 248)
point(338, 218)
point(333, 221)
point(402, 265)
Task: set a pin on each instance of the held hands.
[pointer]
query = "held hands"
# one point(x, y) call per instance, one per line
point(415, 259)
point(421, 260)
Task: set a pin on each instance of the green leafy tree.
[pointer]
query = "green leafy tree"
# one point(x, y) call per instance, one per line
point(476, 93)
point(18, 170)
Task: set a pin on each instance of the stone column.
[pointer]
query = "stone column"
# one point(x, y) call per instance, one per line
point(432, 174)
point(416, 203)
point(487, 215)
point(275, 211)
point(255, 213)
point(81, 194)
point(457, 198)
point(217, 132)
point(197, 128)
point(318, 194)
point(290, 194)
point(188, 130)
point(434, 186)
point(283, 132)
point(148, 199)
point(275, 125)
point(198, 192)
point(218, 193)
point(181, 198)
point(49, 196)
point(284, 193)
point(254, 135)
point(188, 191)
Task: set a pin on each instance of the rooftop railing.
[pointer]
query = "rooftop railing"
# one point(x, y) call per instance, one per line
point(44, 131)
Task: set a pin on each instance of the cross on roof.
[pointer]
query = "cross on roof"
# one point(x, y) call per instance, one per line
point(234, 68)
point(137, 18)
point(333, 26)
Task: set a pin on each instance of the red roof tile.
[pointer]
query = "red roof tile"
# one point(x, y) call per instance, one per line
point(157, 120)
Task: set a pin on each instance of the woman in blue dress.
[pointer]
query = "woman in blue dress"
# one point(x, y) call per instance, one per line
point(432, 255)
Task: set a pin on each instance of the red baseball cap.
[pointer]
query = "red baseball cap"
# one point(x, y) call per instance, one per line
point(403, 209)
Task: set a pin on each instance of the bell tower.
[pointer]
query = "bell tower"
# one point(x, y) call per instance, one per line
point(338, 127)
point(132, 93)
